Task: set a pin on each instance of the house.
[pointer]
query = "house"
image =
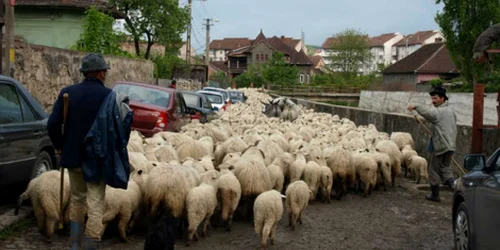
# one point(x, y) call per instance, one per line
point(317, 61)
point(326, 50)
point(432, 61)
point(413, 42)
point(381, 49)
point(260, 51)
point(54, 23)
point(219, 48)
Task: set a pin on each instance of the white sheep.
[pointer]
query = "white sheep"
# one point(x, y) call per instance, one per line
point(229, 195)
point(312, 176)
point(391, 149)
point(407, 153)
point(402, 139)
point(384, 168)
point(326, 183)
point(297, 195)
point(276, 176)
point(418, 166)
point(366, 171)
point(268, 210)
point(340, 161)
point(201, 202)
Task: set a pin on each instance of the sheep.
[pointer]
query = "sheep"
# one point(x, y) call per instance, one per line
point(235, 144)
point(418, 165)
point(268, 210)
point(137, 161)
point(208, 145)
point(312, 176)
point(124, 204)
point(366, 171)
point(191, 148)
point(298, 166)
point(289, 113)
point(326, 183)
point(167, 187)
point(201, 202)
point(340, 161)
point(402, 139)
point(297, 198)
point(271, 150)
point(231, 156)
point(229, 195)
point(163, 153)
point(391, 149)
point(384, 168)
point(276, 176)
point(407, 153)
point(44, 192)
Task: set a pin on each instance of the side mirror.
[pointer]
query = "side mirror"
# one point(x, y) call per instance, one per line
point(474, 162)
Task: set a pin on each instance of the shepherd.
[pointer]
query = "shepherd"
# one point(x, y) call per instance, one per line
point(88, 170)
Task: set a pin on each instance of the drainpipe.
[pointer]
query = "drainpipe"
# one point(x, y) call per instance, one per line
point(477, 119)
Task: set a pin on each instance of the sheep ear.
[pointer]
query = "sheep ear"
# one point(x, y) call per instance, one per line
point(231, 167)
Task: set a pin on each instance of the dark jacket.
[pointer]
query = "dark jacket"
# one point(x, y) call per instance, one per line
point(84, 102)
point(106, 156)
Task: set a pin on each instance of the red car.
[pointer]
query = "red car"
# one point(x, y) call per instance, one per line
point(155, 108)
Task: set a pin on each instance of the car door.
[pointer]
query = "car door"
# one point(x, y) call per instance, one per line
point(487, 205)
point(184, 116)
point(20, 137)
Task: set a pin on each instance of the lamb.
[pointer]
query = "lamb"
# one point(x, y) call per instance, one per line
point(229, 195)
point(340, 161)
point(402, 139)
point(297, 199)
point(391, 149)
point(407, 153)
point(366, 171)
point(312, 176)
point(384, 168)
point(44, 192)
point(418, 166)
point(124, 204)
point(326, 183)
point(276, 176)
point(268, 210)
point(201, 202)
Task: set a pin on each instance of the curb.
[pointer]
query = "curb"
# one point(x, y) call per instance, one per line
point(8, 218)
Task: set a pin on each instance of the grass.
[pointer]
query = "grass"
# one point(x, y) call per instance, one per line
point(16, 228)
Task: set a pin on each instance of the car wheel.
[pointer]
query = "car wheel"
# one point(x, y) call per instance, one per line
point(43, 164)
point(462, 228)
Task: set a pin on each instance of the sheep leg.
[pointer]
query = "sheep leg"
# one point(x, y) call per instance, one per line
point(273, 233)
point(206, 223)
point(39, 215)
point(104, 226)
point(132, 221)
point(366, 189)
point(230, 222)
point(122, 226)
point(50, 224)
point(300, 217)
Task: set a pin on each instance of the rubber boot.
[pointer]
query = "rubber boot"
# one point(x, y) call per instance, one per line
point(76, 235)
point(434, 196)
point(90, 244)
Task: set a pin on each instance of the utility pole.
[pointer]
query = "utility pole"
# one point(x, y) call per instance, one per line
point(188, 40)
point(207, 43)
point(2, 22)
point(9, 37)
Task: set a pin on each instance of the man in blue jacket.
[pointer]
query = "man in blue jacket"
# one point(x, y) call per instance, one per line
point(85, 100)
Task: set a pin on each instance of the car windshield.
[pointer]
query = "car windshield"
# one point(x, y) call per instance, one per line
point(236, 95)
point(144, 95)
point(214, 98)
point(192, 100)
point(222, 92)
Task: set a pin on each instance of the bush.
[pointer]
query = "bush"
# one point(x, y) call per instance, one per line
point(165, 65)
point(436, 83)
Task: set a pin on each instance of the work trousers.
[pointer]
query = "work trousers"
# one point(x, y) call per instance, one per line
point(87, 198)
point(440, 168)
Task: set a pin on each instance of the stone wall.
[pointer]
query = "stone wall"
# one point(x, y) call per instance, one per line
point(397, 102)
point(404, 123)
point(44, 71)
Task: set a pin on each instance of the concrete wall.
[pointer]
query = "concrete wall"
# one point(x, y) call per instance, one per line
point(44, 71)
point(403, 123)
point(54, 28)
point(400, 79)
point(397, 102)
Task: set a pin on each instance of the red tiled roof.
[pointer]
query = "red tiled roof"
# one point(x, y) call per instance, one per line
point(229, 43)
point(431, 58)
point(300, 58)
point(316, 60)
point(74, 4)
point(379, 41)
point(290, 41)
point(417, 38)
point(219, 65)
point(329, 42)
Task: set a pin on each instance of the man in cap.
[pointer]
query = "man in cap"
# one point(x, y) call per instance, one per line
point(442, 144)
point(84, 102)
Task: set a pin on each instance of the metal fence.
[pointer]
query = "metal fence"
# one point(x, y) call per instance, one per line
point(313, 89)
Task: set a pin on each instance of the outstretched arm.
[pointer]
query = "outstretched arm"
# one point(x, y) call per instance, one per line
point(426, 112)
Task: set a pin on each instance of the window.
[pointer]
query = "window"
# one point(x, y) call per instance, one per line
point(28, 115)
point(308, 78)
point(192, 100)
point(267, 57)
point(262, 57)
point(10, 109)
point(144, 95)
point(179, 104)
point(301, 78)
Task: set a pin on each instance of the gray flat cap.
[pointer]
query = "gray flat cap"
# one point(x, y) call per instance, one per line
point(93, 62)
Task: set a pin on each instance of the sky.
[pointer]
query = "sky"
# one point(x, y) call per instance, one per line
point(318, 19)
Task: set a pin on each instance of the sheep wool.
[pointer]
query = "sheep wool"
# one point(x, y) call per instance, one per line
point(312, 176)
point(229, 195)
point(326, 183)
point(276, 176)
point(201, 202)
point(268, 210)
point(418, 165)
point(390, 148)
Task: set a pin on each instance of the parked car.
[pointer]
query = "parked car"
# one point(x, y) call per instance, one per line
point(476, 202)
point(25, 147)
point(225, 93)
point(237, 96)
point(217, 99)
point(200, 105)
point(155, 108)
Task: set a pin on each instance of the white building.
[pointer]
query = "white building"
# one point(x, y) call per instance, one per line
point(413, 42)
point(381, 50)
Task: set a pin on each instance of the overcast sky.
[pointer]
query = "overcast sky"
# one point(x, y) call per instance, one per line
point(318, 19)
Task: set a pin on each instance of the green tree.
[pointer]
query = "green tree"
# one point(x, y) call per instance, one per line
point(278, 71)
point(159, 21)
point(252, 75)
point(350, 52)
point(462, 21)
point(222, 78)
point(98, 34)
point(165, 65)
point(322, 79)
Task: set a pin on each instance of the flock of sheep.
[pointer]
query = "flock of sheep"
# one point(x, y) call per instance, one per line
point(245, 162)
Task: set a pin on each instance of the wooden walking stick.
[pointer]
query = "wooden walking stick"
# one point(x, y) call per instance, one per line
point(61, 194)
point(430, 133)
